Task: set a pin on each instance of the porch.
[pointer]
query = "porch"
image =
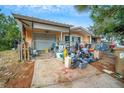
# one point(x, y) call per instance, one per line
point(38, 34)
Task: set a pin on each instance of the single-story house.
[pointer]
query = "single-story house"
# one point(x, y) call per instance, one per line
point(40, 33)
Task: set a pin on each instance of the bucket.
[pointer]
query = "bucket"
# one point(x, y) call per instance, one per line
point(59, 56)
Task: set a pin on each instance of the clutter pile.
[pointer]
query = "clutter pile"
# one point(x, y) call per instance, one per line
point(78, 56)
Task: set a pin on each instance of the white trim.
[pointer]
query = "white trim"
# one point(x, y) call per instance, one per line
point(90, 40)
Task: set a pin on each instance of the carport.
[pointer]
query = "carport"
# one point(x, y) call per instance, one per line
point(40, 34)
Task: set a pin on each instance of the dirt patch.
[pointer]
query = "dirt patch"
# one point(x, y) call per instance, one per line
point(13, 73)
point(8, 64)
point(22, 77)
point(102, 66)
point(8, 57)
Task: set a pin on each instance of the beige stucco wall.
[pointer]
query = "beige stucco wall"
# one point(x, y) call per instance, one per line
point(84, 38)
point(29, 32)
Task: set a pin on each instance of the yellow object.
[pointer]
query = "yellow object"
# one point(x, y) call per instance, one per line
point(46, 50)
point(65, 53)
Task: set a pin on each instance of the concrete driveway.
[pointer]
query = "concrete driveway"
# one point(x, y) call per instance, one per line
point(51, 73)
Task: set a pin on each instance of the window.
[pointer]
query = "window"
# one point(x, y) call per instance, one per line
point(67, 39)
point(76, 39)
point(72, 39)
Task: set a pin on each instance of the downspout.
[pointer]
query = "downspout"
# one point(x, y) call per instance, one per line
point(32, 35)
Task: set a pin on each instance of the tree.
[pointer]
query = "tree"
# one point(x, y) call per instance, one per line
point(108, 19)
point(8, 32)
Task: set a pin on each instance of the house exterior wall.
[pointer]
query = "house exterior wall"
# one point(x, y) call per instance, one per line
point(29, 37)
point(96, 39)
point(43, 28)
point(58, 31)
point(84, 38)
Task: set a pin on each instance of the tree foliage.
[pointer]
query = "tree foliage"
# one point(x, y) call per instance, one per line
point(106, 18)
point(8, 32)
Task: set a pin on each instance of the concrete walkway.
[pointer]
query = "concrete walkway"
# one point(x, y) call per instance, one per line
point(50, 73)
point(99, 81)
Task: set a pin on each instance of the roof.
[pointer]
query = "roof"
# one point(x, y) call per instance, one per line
point(96, 36)
point(81, 29)
point(38, 20)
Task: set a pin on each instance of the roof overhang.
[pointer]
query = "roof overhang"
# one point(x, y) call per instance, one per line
point(96, 36)
point(37, 23)
point(37, 20)
point(81, 29)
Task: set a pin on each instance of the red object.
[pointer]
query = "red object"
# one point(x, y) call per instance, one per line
point(90, 50)
point(112, 46)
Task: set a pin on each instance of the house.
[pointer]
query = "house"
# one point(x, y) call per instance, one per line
point(40, 34)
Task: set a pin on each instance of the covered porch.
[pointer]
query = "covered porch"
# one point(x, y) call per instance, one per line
point(39, 34)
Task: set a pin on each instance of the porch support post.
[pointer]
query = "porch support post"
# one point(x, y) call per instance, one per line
point(69, 38)
point(90, 39)
point(61, 37)
point(21, 43)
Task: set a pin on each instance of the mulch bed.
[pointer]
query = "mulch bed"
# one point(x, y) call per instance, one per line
point(106, 63)
point(23, 76)
point(102, 66)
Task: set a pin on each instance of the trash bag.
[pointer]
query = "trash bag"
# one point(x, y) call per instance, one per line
point(75, 64)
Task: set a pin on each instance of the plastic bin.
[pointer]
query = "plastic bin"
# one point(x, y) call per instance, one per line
point(59, 56)
point(82, 65)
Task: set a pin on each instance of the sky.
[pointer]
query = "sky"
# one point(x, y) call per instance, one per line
point(59, 13)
